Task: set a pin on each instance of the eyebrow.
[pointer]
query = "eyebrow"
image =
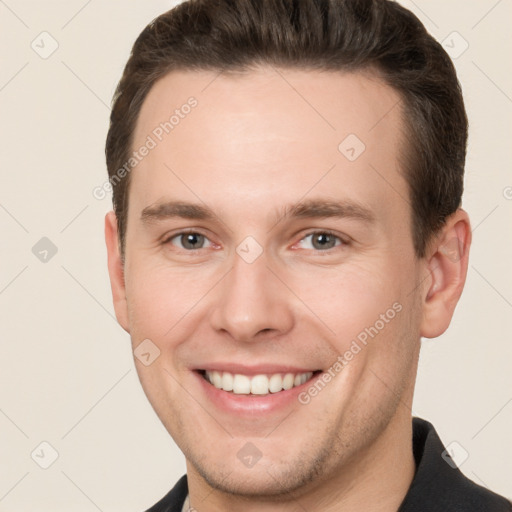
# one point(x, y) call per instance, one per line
point(173, 209)
point(312, 208)
point(321, 208)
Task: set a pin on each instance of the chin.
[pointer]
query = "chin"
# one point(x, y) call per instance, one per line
point(267, 479)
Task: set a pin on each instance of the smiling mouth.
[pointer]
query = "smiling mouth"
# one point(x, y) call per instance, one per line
point(262, 384)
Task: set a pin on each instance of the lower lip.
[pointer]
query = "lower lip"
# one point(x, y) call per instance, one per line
point(250, 404)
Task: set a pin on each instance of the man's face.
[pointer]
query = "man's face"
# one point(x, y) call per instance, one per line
point(264, 239)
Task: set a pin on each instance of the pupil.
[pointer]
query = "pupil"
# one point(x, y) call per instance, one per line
point(323, 240)
point(192, 240)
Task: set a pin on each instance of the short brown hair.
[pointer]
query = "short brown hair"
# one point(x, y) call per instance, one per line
point(331, 35)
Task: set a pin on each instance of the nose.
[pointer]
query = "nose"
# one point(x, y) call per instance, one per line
point(251, 303)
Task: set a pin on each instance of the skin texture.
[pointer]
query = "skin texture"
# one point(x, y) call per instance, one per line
point(254, 144)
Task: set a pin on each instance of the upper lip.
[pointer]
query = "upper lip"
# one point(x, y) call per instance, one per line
point(259, 369)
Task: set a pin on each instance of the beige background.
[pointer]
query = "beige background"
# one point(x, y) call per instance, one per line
point(67, 374)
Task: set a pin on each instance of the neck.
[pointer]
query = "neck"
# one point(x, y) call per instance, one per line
point(377, 479)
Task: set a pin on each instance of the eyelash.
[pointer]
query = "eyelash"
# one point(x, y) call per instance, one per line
point(191, 231)
point(343, 241)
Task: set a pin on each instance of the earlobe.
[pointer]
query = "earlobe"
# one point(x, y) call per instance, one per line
point(447, 264)
point(116, 270)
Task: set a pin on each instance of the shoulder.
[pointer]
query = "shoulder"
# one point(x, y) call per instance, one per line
point(174, 499)
point(438, 483)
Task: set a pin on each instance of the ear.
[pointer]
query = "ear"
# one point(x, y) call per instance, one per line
point(116, 270)
point(447, 264)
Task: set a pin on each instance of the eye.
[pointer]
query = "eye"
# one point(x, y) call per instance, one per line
point(189, 241)
point(321, 240)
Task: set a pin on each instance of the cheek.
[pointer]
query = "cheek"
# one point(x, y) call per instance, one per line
point(160, 296)
point(349, 300)
point(372, 321)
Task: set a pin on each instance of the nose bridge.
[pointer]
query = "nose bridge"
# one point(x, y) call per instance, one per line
point(251, 299)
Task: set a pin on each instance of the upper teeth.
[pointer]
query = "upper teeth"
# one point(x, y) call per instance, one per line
point(257, 384)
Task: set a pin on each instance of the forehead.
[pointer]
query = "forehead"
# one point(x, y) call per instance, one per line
point(269, 135)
